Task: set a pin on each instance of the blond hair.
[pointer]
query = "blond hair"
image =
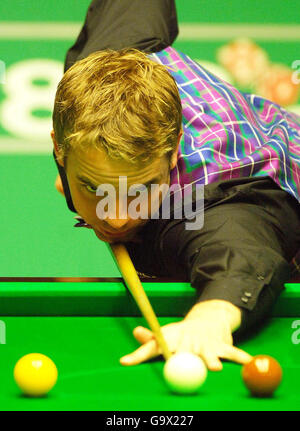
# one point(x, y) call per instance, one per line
point(121, 102)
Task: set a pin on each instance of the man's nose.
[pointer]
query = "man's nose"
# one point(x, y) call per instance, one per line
point(120, 217)
point(117, 223)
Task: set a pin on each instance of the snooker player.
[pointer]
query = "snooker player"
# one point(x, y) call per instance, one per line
point(131, 105)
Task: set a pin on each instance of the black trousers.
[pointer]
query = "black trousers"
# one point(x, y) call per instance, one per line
point(147, 25)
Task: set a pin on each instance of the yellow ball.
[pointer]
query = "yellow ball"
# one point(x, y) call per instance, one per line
point(35, 374)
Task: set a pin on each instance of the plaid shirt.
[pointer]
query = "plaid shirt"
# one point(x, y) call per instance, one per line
point(229, 133)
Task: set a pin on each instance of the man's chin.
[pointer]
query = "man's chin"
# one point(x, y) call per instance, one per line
point(132, 236)
point(104, 238)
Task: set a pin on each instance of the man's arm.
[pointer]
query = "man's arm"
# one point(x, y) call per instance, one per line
point(242, 253)
point(238, 263)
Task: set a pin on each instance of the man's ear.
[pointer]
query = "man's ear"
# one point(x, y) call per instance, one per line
point(56, 149)
point(175, 154)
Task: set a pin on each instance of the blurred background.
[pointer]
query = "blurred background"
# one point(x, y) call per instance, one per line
point(255, 45)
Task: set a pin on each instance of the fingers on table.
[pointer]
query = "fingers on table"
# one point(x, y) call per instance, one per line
point(240, 356)
point(147, 351)
point(228, 352)
point(213, 354)
point(142, 334)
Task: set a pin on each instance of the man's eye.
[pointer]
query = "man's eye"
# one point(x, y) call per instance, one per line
point(91, 188)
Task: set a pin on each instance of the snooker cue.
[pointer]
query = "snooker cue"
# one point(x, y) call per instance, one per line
point(134, 285)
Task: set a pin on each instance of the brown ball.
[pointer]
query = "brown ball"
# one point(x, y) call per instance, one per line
point(262, 375)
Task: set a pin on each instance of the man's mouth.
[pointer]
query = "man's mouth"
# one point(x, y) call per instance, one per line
point(117, 234)
point(113, 235)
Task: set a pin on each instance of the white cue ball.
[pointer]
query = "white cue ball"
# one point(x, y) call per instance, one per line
point(185, 373)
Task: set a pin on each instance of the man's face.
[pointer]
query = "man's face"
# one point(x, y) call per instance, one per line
point(88, 169)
